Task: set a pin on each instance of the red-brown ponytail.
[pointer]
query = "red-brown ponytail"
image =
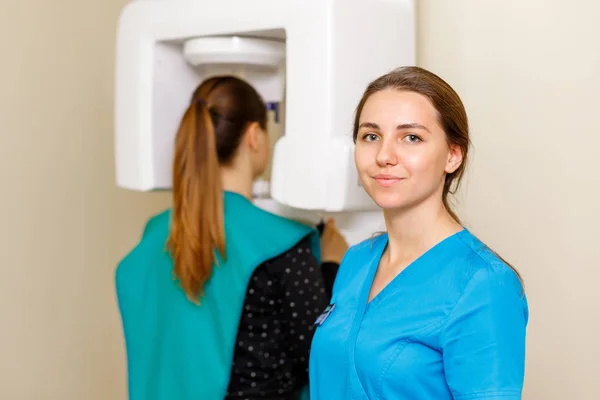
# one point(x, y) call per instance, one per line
point(211, 130)
point(197, 228)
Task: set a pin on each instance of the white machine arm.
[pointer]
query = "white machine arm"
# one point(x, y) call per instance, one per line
point(333, 48)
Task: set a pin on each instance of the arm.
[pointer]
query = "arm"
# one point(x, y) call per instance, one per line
point(333, 248)
point(304, 298)
point(483, 342)
point(329, 270)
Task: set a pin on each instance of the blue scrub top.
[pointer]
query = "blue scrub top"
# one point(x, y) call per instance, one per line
point(451, 325)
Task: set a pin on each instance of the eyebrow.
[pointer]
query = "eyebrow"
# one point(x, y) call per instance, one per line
point(373, 125)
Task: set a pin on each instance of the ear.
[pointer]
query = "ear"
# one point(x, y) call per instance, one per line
point(455, 159)
point(253, 136)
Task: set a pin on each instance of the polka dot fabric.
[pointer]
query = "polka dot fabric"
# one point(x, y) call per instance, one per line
point(284, 297)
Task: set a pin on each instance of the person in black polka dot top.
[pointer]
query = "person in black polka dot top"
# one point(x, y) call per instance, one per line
point(175, 330)
point(284, 298)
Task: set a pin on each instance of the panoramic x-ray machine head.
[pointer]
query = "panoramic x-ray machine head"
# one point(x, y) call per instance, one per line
point(309, 59)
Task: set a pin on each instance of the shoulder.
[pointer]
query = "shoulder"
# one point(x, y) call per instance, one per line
point(149, 248)
point(481, 263)
point(302, 249)
point(359, 256)
point(484, 277)
point(244, 212)
point(157, 221)
point(367, 247)
point(298, 257)
point(252, 230)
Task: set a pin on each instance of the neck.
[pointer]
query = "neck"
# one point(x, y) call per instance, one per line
point(238, 180)
point(414, 230)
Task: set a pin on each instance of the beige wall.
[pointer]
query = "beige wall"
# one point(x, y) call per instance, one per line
point(64, 223)
point(529, 73)
point(525, 70)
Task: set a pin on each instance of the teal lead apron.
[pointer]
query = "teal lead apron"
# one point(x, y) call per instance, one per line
point(177, 350)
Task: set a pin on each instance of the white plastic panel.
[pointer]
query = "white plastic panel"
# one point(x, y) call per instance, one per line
point(170, 97)
point(154, 82)
point(269, 53)
point(359, 40)
point(333, 49)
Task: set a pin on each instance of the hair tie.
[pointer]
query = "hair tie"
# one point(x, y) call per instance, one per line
point(201, 102)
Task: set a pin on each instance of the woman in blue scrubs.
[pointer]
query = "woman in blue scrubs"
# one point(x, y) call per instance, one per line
point(425, 310)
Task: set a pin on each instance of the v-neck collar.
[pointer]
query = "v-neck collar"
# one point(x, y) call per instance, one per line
point(407, 271)
point(371, 262)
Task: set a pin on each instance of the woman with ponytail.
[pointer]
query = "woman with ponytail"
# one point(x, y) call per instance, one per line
point(219, 297)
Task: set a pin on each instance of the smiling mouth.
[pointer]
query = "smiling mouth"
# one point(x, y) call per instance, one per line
point(387, 181)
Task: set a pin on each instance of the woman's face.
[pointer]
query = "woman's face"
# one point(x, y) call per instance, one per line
point(401, 152)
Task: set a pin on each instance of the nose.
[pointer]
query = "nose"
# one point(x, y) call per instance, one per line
point(387, 154)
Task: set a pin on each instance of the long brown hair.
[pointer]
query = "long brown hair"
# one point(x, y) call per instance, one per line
point(452, 117)
point(210, 132)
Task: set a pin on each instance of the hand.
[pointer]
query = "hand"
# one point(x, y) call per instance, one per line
point(333, 244)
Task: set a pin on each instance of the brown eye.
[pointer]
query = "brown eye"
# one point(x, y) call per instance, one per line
point(412, 138)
